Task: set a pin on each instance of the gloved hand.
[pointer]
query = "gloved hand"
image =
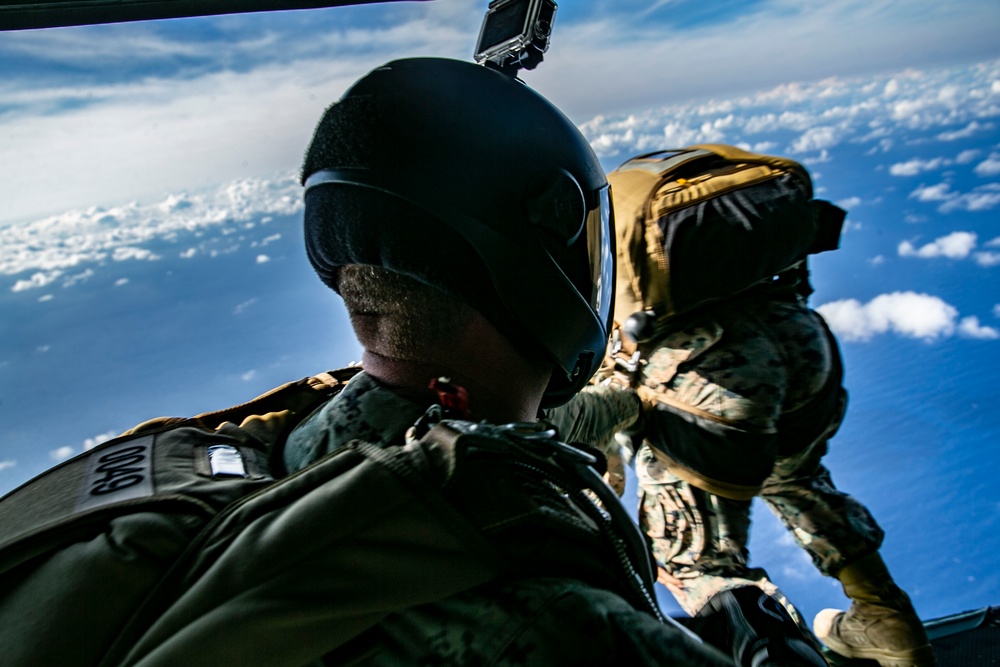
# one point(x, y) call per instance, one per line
point(593, 417)
point(615, 476)
point(620, 364)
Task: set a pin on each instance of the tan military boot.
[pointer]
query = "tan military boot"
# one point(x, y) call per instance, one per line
point(881, 624)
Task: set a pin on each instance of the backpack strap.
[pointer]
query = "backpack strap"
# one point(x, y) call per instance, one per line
point(734, 154)
point(459, 505)
point(639, 245)
point(150, 466)
point(543, 505)
point(291, 398)
point(292, 572)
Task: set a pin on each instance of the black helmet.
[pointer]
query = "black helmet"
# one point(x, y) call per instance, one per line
point(465, 179)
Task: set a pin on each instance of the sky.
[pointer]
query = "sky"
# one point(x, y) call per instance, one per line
point(151, 260)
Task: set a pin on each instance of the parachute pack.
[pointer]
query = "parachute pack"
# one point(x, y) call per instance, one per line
point(704, 223)
point(175, 544)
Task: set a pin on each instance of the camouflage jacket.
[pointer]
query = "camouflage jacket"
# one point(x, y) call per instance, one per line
point(738, 386)
point(558, 612)
point(726, 390)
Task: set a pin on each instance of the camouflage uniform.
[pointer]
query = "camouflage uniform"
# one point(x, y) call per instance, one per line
point(526, 622)
point(741, 401)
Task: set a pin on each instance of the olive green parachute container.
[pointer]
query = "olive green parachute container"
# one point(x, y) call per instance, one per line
point(182, 541)
point(704, 223)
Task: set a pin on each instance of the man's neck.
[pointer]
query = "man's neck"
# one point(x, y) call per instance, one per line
point(497, 393)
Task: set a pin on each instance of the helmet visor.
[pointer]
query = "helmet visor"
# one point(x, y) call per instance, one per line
point(601, 252)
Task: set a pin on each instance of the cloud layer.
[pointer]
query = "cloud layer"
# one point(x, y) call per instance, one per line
point(809, 120)
point(102, 114)
point(63, 248)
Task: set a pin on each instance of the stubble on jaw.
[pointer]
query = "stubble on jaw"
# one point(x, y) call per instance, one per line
point(400, 317)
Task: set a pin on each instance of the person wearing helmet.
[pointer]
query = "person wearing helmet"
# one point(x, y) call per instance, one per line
point(466, 224)
point(749, 388)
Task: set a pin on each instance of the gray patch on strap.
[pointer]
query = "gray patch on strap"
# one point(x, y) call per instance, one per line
point(123, 471)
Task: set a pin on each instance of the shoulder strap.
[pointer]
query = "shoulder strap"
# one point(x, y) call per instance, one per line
point(151, 465)
point(734, 154)
point(291, 398)
point(296, 570)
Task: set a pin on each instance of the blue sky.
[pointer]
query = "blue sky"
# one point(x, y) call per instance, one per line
point(150, 259)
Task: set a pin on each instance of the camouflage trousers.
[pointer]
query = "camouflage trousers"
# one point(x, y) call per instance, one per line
point(700, 539)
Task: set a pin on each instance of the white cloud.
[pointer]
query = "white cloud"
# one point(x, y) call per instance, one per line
point(238, 310)
point(907, 314)
point(127, 252)
point(966, 132)
point(996, 310)
point(883, 145)
point(993, 243)
point(982, 198)
point(849, 203)
point(40, 279)
point(915, 166)
point(956, 245)
point(764, 147)
point(965, 157)
point(814, 139)
point(83, 276)
point(909, 110)
point(987, 258)
point(121, 281)
point(263, 259)
point(45, 297)
point(939, 192)
point(7, 464)
point(971, 328)
point(42, 349)
point(90, 443)
point(989, 166)
point(249, 375)
point(823, 157)
point(877, 260)
point(62, 453)
point(189, 253)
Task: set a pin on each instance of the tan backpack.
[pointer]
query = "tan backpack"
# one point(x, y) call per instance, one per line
point(700, 224)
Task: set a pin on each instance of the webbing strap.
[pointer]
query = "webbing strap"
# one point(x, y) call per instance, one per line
point(661, 165)
point(154, 467)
